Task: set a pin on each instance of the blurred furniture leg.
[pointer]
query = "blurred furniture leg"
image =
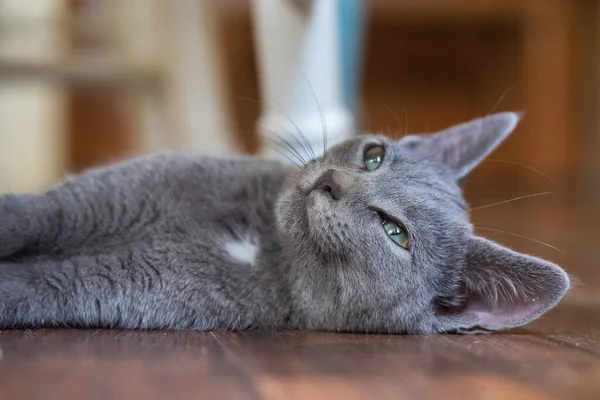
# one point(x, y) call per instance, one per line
point(140, 40)
point(32, 111)
point(190, 109)
point(308, 72)
point(196, 87)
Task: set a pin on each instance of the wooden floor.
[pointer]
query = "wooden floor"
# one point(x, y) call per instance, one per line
point(556, 357)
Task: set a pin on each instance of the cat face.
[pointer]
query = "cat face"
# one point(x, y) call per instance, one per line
point(379, 239)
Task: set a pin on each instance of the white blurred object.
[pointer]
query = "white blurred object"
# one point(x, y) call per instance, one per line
point(301, 71)
point(181, 38)
point(168, 61)
point(195, 78)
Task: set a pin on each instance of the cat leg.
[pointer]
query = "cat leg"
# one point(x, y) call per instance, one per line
point(131, 292)
point(82, 210)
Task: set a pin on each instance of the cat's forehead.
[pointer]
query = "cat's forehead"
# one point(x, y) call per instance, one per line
point(398, 150)
point(401, 165)
point(354, 146)
point(405, 181)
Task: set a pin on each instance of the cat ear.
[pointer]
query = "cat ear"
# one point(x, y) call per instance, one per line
point(462, 147)
point(501, 289)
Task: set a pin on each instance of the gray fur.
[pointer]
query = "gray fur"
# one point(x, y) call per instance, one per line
point(140, 244)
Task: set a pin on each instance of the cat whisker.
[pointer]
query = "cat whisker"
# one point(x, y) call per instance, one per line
point(291, 148)
point(306, 148)
point(286, 156)
point(522, 237)
point(500, 99)
point(511, 200)
point(323, 124)
point(287, 146)
point(396, 136)
point(522, 165)
point(405, 121)
point(276, 146)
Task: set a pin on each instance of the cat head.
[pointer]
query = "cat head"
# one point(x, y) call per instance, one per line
point(378, 237)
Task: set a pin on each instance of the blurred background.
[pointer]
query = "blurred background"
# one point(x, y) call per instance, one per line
point(87, 82)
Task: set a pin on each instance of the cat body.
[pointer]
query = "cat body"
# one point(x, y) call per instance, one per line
point(374, 236)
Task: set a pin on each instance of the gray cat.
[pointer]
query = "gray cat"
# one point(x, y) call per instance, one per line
point(372, 237)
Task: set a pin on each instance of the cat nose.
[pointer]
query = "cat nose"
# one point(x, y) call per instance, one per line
point(327, 183)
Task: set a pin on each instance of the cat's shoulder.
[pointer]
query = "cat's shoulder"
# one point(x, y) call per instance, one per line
point(181, 159)
point(195, 160)
point(186, 165)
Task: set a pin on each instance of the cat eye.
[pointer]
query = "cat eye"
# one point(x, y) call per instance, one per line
point(374, 157)
point(396, 232)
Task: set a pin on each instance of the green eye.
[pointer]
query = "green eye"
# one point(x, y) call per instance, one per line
point(397, 233)
point(374, 158)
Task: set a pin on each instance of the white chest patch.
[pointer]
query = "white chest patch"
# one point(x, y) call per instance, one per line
point(242, 250)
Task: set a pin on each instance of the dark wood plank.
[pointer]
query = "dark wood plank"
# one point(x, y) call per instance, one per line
point(557, 357)
point(65, 364)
